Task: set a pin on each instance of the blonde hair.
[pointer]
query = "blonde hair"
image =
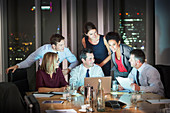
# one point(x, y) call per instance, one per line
point(48, 62)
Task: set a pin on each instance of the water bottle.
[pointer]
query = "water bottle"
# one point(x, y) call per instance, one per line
point(100, 98)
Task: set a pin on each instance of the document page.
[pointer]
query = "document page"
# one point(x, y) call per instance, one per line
point(159, 101)
point(124, 82)
point(42, 95)
point(61, 111)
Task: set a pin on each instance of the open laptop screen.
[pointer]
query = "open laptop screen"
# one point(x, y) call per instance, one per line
point(93, 81)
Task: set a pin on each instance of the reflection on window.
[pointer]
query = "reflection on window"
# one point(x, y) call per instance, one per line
point(132, 23)
point(21, 35)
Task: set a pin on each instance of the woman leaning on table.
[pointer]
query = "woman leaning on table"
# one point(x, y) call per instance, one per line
point(50, 77)
point(120, 55)
point(99, 45)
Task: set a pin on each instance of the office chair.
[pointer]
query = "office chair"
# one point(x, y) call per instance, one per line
point(19, 78)
point(10, 99)
point(32, 104)
point(164, 71)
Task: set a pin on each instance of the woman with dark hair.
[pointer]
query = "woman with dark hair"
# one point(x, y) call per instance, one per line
point(120, 55)
point(50, 77)
point(99, 46)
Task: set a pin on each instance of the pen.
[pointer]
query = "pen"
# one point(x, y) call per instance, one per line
point(51, 96)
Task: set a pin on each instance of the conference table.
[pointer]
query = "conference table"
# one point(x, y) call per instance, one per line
point(77, 100)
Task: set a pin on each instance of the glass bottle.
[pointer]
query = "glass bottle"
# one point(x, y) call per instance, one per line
point(100, 98)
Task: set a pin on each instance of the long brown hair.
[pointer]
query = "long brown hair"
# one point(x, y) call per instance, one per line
point(48, 62)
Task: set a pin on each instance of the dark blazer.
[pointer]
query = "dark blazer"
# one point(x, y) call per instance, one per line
point(125, 56)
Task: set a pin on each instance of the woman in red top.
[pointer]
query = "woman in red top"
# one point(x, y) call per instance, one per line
point(120, 55)
point(50, 77)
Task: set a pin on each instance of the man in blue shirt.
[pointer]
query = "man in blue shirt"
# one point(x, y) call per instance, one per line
point(144, 76)
point(87, 69)
point(56, 46)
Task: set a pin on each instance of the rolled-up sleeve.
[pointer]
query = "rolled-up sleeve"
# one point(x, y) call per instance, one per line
point(71, 58)
point(31, 59)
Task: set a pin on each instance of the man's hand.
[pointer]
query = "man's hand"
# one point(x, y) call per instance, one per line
point(81, 89)
point(66, 71)
point(135, 87)
point(120, 87)
point(13, 67)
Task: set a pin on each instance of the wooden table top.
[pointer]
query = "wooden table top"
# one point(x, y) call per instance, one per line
point(77, 101)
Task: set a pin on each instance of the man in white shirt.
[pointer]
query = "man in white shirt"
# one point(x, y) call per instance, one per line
point(56, 46)
point(144, 76)
point(86, 69)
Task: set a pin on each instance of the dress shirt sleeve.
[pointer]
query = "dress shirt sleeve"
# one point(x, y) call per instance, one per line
point(62, 79)
point(153, 80)
point(71, 58)
point(31, 58)
point(39, 79)
point(74, 77)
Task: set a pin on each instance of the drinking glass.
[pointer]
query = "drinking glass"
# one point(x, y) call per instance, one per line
point(134, 99)
point(68, 93)
point(115, 86)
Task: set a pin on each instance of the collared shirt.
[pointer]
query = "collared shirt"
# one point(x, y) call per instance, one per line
point(149, 79)
point(79, 73)
point(39, 53)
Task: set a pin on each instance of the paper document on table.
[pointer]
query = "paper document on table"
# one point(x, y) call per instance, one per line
point(124, 82)
point(61, 111)
point(42, 95)
point(159, 101)
point(58, 93)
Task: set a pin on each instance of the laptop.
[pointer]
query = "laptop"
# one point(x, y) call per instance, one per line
point(93, 81)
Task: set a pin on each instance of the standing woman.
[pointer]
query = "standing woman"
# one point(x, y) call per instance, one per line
point(50, 77)
point(99, 45)
point(120, 55)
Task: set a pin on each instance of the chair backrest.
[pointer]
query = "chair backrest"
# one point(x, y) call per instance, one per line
point(32, 104)
point(19, 78)
point(10, 99)
point(164, 71)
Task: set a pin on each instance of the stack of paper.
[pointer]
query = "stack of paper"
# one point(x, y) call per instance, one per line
point(61, 111)
point(124, 82)
point(42, 95)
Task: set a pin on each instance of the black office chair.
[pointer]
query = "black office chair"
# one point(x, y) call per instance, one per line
point(164, 71)
point(19, 78)
point(32, 104)
point(10, 99)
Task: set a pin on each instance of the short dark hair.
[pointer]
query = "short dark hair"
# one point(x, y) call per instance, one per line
point(113, 36)
point(56, 38)
point(139, 54)
point(83, 53)
point(89, 26)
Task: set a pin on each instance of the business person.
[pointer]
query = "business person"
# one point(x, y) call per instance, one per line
point(120, 55)
point(56, 46)
point(50, 77)
point(99, 45)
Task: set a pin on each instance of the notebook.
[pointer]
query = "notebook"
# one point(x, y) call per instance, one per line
point(93, 81)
